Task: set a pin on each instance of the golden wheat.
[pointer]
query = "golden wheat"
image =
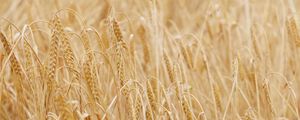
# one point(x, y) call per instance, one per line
point(134, 59)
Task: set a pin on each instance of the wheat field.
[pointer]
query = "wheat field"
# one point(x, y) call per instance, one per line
point(149, 59)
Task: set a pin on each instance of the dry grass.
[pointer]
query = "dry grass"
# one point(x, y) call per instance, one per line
point(135, 59)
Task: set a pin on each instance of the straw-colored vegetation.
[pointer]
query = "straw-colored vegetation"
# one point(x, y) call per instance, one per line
point(149, 59)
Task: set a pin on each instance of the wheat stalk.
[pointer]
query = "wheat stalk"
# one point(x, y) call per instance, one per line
point(63, 109)
point(292, 29)
point(68, 53)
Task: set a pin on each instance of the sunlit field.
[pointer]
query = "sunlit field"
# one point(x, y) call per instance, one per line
point(149, 60)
